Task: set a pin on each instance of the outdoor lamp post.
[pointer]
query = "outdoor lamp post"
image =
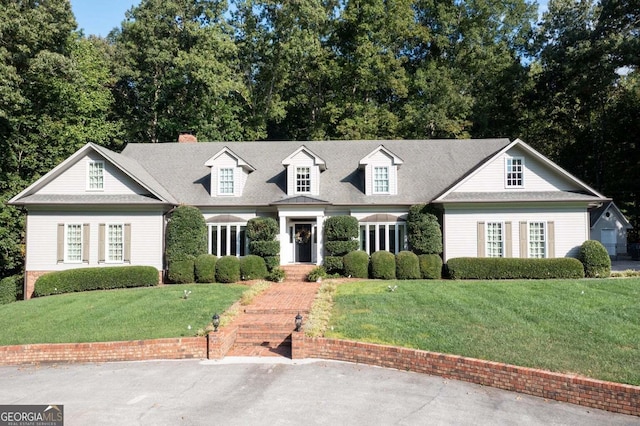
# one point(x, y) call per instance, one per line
point(298, 321)
point(216, 321)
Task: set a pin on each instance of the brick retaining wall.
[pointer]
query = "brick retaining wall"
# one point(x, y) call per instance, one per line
point(578, 390)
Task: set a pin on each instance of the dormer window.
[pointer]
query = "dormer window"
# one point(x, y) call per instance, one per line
point(381, 180)
point(229, 173)
point(95, 175)
point(381, 172)
point(303, 180)
point(514, 172)
point(226, 181)
point(303, 172)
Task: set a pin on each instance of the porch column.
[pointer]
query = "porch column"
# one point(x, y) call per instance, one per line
point(283, 239)
point(320, 239)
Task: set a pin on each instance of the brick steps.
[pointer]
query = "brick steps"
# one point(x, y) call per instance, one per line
point(297, 272)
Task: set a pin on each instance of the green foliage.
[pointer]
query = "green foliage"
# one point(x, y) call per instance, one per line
point(182, 270)
point(423, 229)
point(356, 264)
point(499, 268)
point(272, 262)
point(205, 268)
point(430, 266)
point(317, 273)
point(265, 248)
point(11, 289)
point(186, 234)
point(595, 259)
point(252, 267)
point(334, 265)
point(341, 228)
point(228, 269)
point(340, 248)
point(407, 266)
point(383, 265)
point(277, 274)
point(85, 279)
point(262, 229)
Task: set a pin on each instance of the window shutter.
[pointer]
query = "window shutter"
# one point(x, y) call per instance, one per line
point(523, 239)
point(508, 240)
point(86, 235)
point(127, 242)
point(101, 230)
point(481, 239)
point(60, 243)
point(551, 240)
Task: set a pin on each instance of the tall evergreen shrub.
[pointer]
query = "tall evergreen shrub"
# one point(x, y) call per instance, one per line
point(262, 232)
point(186, 234)
point(423, 231)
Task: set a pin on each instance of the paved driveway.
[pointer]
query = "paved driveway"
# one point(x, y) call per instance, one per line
point(276, 392)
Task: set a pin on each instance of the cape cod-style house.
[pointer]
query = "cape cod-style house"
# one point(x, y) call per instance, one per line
point(499, 197)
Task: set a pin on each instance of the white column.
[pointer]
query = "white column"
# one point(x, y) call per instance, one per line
point(284, 242)
point(320, 239)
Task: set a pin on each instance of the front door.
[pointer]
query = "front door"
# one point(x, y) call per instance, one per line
point(608, 239)
point(302, 240)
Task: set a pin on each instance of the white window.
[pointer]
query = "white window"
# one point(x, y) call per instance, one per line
point(303, 179)
point(495, 239)
point(514, 172)
point(381, 180)
point(95, 175)
point(228, 239)
point(73, 243)
point(537, 240)
point(115, 243)
point(225, 181)
point(375, 236)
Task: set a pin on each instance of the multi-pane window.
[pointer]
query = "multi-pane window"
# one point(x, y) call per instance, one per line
point(73, 243)
point(380, 179)
point(226, 181)
point(515, 172)
point(228, 240)
point(96, 175)
point(537, 240)
point(115, 243)
point(495, 239)
point(390, 236)
point(303, 179)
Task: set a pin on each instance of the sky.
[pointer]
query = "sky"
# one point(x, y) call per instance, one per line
point(99, 17)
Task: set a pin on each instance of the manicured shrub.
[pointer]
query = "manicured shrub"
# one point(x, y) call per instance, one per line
point(186, 234)
point(340, 248)
point(11, 289)
point(341, 228)
point(205, 268)
point(228, 269)
point(430, 266)
point(262, 229)
point(264, 248)
point(423, 231)
point(252, 267)
point(476, 268)
point(407, 266)
point(84, 279)
point(272, 262)
point(182, 270)
point(316, 274)
point(356, 264)
point(276, 275)
point(383, 265)
point(334, 265)
point(595, 259)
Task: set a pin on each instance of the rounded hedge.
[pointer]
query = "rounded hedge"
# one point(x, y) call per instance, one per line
point(182, 271)
point(262, 229)
point(383, 265)
point(205, 268)
point(407, 266)
point(264, 248)
point(356, 264)
point(595, 259)
point(228, 269)
point(423, 231)
point(430, 266)
point(334, 265)
point(496, 268)
point(340, 248)
point(84, 279)
point(186, 234)
point(252, 267)
point(341, 228)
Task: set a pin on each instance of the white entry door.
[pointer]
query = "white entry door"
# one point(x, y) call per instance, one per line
point(608, 239)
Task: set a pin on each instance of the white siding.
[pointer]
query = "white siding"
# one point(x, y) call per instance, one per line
point(74, 180)
point(537, 176)
point(460, 227)
point(302, 159)
point(611, 222)
point(146, 238)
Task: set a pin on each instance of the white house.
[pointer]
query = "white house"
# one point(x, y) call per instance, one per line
point(500, 198)
point(610, 226)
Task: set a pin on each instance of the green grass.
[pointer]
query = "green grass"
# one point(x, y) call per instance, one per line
point(587, 327)
point(112, 315)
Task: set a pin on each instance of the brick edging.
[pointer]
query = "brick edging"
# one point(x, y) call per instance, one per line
point(610, 396)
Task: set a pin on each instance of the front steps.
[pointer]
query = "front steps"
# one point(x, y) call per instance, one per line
point(297, 272)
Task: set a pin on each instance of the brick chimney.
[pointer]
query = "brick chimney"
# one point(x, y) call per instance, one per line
point(187, 137)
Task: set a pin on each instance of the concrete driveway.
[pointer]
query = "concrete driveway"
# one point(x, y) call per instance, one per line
point(253, 391)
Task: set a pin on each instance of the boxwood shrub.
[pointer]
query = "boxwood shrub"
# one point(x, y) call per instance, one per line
point(186, 234)
point(340, 248)
point(11, 289)
point(341, 228)
point(407, 266)
point(262, 229)
point(252, 267)
point(182, 270)
point(513, 268)
point(272, 262)
point(356, 264)
point(595, 259)
point(423, 231)
point(382, 265)
point(205, 268)
point(228, 269)
point(84, 279)
point(430, 266)
point(264, 248)
point(334, 265)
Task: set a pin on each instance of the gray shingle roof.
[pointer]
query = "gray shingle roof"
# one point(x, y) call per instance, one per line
point(430, 167)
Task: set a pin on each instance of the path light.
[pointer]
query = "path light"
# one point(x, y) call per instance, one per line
point(298, 321)
point(216, 321)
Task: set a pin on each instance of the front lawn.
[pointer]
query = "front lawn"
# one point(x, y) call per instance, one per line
point(588, 327)
point(112, 315)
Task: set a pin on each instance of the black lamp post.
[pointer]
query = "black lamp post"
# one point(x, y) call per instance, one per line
point(298, 321)
point(216, 321)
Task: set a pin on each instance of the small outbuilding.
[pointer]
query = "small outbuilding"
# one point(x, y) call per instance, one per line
point(609, 226)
